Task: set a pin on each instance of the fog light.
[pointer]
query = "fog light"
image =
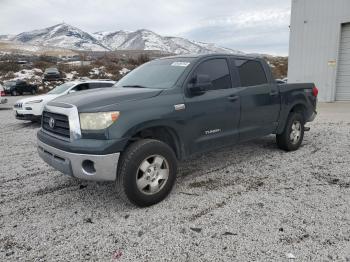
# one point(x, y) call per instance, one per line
point(88, 167)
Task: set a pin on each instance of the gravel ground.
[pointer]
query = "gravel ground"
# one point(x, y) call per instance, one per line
point(252, 202)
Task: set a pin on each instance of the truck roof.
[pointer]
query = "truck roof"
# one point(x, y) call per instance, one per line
point(212, 55)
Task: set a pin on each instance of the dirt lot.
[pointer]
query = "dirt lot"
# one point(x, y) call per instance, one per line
point(246, 203)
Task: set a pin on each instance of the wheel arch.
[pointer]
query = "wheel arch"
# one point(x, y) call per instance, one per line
point(298, 106)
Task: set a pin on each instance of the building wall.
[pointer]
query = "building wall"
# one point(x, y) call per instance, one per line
point(315, 32)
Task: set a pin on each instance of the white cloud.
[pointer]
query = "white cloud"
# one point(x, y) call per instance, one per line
point(225, 22)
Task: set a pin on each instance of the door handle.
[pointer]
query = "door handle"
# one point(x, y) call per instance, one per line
point(273, 93)
point(232, 98)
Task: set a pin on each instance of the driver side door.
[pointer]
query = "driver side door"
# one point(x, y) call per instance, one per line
point(213, 116)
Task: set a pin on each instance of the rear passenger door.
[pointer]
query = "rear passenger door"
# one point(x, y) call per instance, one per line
point(260, 103)
point(21, 86)
point(212, 117)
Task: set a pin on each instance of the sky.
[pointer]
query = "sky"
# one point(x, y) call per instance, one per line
point(252, 26)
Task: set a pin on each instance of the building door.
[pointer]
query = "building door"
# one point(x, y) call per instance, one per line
point(343, 75)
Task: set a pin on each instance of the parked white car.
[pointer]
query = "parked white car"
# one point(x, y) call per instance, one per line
point(3, 99)
point(31, 108)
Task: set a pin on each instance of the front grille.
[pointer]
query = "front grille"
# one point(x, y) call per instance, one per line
point(59, 124)
point(18, 105)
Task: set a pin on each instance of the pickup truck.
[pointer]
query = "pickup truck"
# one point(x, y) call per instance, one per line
point(167, 110)
point(19, 87)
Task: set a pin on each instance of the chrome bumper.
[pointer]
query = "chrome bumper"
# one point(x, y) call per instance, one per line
point(82, 166)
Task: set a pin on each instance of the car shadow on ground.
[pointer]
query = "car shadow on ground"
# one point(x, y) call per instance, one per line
point(25, 124)
point(103, 194)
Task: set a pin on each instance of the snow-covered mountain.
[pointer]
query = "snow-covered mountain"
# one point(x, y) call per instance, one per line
point(61, 35)
point(144, 39)
point(67, 36)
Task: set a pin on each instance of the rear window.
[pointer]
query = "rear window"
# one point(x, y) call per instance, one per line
point(250, 72)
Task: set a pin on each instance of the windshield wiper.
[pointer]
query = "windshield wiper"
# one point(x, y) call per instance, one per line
point(136, 86)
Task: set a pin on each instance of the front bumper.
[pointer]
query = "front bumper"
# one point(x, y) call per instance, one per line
point(82, 166)
point(28, 117)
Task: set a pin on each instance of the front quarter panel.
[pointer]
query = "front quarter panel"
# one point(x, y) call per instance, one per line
point(146, 113)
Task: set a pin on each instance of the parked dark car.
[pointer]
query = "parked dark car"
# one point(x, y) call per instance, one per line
point(52, 74)
point(19, 87)
point(167, 110)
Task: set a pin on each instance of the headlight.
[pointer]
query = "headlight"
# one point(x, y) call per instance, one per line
point(97, 121)
point(34, 101)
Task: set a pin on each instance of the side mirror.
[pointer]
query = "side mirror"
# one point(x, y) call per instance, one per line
point(200, 84)
point(72, 91)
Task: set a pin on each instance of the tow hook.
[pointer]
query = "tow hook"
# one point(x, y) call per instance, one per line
point(306, 128)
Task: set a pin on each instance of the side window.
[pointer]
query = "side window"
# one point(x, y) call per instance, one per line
point(99, 85)
point(94, 85)
point(250, 72)
point(217, 70)
point(81, 87)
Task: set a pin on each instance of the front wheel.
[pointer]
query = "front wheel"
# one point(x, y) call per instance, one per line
point(293, 134)
point(146, 172)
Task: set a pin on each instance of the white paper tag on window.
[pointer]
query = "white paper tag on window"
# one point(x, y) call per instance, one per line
point(180, 64)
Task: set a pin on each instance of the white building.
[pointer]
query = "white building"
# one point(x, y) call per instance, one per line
point(319, 49)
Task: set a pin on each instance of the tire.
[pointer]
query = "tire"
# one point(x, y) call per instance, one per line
point(293, 134)
point(14, 93)
point(142, 171)
point(33, 92)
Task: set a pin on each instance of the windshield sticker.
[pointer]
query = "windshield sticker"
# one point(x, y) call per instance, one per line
point(180, 64)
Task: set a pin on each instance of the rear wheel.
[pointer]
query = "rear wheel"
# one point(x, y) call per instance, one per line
point(293, 134)
point(146, 172)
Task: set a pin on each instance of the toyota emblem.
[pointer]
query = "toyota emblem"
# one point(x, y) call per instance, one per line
point(52, 122)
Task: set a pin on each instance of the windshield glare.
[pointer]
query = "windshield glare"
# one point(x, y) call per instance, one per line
point(160, 74)
point(61, 88)
point(10, 83)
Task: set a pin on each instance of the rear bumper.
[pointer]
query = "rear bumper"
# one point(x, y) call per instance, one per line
point(312, 117)
point(82, 166)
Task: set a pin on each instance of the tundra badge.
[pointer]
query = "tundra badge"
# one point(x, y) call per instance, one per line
point(179, 107)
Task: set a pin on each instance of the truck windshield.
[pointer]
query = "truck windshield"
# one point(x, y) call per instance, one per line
point(160, 74)
point(61, 88)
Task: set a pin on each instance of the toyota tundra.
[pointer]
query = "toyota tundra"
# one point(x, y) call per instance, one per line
point(167, 110)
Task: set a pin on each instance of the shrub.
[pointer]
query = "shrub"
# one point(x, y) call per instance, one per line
point(83, 70)
point(6, 67)
point(43, 65)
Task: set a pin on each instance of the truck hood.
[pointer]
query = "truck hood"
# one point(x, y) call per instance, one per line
point(95, 99)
